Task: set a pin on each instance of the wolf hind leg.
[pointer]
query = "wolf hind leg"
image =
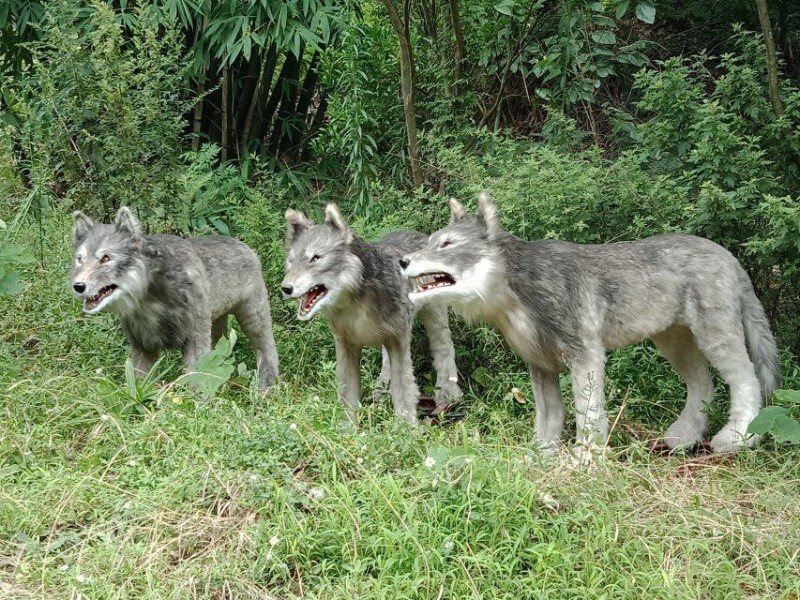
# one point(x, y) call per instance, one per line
point(403, 386)
point(587, 374)
point(550, 411)
point(256, 321)
point(678, 346)
point(435, 321)
point(723, 344)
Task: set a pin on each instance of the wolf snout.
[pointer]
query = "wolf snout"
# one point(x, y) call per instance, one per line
point(404, 262)
point(287, 289)
point(79, 287)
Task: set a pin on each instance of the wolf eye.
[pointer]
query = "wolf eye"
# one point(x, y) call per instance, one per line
point(105, 258)
point(315, 258)
point(446, 243)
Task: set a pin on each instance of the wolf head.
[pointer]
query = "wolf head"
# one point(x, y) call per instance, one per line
point(108, 268)
point(320, 263)
point(460, 263)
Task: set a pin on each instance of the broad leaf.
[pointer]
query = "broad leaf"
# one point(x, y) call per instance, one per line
point(766, 419)
point(646, 12)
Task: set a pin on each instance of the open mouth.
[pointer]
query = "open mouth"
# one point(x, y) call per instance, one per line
point(309, 300)
point(429, 281)
point(94, 301)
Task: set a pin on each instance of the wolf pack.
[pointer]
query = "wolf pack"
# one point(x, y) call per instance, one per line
point(557, 304)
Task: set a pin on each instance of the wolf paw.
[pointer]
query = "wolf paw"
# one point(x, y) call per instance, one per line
point(586, 456)
point(732, 437)
point(684, 434)
point(446, 397)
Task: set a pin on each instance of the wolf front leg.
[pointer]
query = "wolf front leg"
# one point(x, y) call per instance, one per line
point(403, 386)
point(587, 374)
point(549, 408)
point(434, 318)
point(348, 376)
point(143, 360)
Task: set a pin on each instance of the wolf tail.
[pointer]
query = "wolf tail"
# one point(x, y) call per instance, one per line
point(760, 343)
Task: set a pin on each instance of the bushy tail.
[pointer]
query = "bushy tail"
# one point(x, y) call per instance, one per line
point(760, 343)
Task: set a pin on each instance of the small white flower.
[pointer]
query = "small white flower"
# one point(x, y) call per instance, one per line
point(360, 460)
point(105, 417)
point(316, 493)
point(128, 505)
point(132, 463)
point(274, 540)
point(80, 578)
point(315, 398)
point(363, 447)
point(64, 567)
point(449, 545)
point(253, 476)
point(293, 426)
point(430, 462)
point(468, 460)
point(434, 483)
point(363, 434)
point(99, 371)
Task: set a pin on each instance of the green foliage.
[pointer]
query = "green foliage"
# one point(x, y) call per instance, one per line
point(213, 369)
point(103, 111)
point(781, 420)
point(11, 254)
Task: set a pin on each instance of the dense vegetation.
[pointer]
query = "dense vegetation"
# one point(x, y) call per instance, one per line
point(589, 121)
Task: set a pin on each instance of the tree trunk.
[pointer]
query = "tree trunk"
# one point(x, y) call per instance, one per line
point(197, 126)
point(407, 85)
point(288, 100)
point(772, 61)
point(458, 32)
point(225, 117)
point(293, 138)
point(255, 114)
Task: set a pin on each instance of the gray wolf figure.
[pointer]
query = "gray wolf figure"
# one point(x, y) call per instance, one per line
point(170, 292)
point(558, 303)
point(358, 287)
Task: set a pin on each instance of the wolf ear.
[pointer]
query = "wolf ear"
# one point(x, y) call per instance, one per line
point(457, 212)
point(334, 219)
point(488, 215)
point(81, 224)
point(296, 223)
point(127, 221)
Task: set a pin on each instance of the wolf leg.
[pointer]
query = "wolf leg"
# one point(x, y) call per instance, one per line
point(434, 318)
point(382, 385)
point(587, 374)
point(348, 376)
point(723, 343)
point(256, 321)
point(679, 348)
point(403, 386)
point(142, 360)
point(219, 327)
point(549, 408)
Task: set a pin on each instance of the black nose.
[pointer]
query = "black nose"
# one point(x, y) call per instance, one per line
point(287, 289)
point(404, 262)
point(79, 287)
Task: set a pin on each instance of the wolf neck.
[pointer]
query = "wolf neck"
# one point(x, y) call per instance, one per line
point(511, 303)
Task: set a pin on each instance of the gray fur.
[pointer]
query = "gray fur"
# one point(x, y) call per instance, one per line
point(173, 293)
point(366, 304)
point(559, 303)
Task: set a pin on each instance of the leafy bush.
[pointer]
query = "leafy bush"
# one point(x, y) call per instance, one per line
point(103, 111)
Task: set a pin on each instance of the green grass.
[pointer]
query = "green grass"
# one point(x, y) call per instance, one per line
point(240, 497)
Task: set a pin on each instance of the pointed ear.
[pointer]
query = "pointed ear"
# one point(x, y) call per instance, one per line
point(334, 219)
point(457, 212)
point(81, 224)
point(488, 215)
point(296, 223)
point(127, 221)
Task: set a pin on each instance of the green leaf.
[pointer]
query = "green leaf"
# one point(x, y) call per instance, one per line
point(16, 254)
point(788, 396)
point(786, 429)
point(214, 368)
point(10, 284)
point(437, 456)
point(604, 37)
point(505, 7)
point(646, 12)
point(622, 8)
point(765, 420)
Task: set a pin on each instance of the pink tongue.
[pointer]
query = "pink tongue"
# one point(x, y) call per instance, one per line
point(310, 298)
